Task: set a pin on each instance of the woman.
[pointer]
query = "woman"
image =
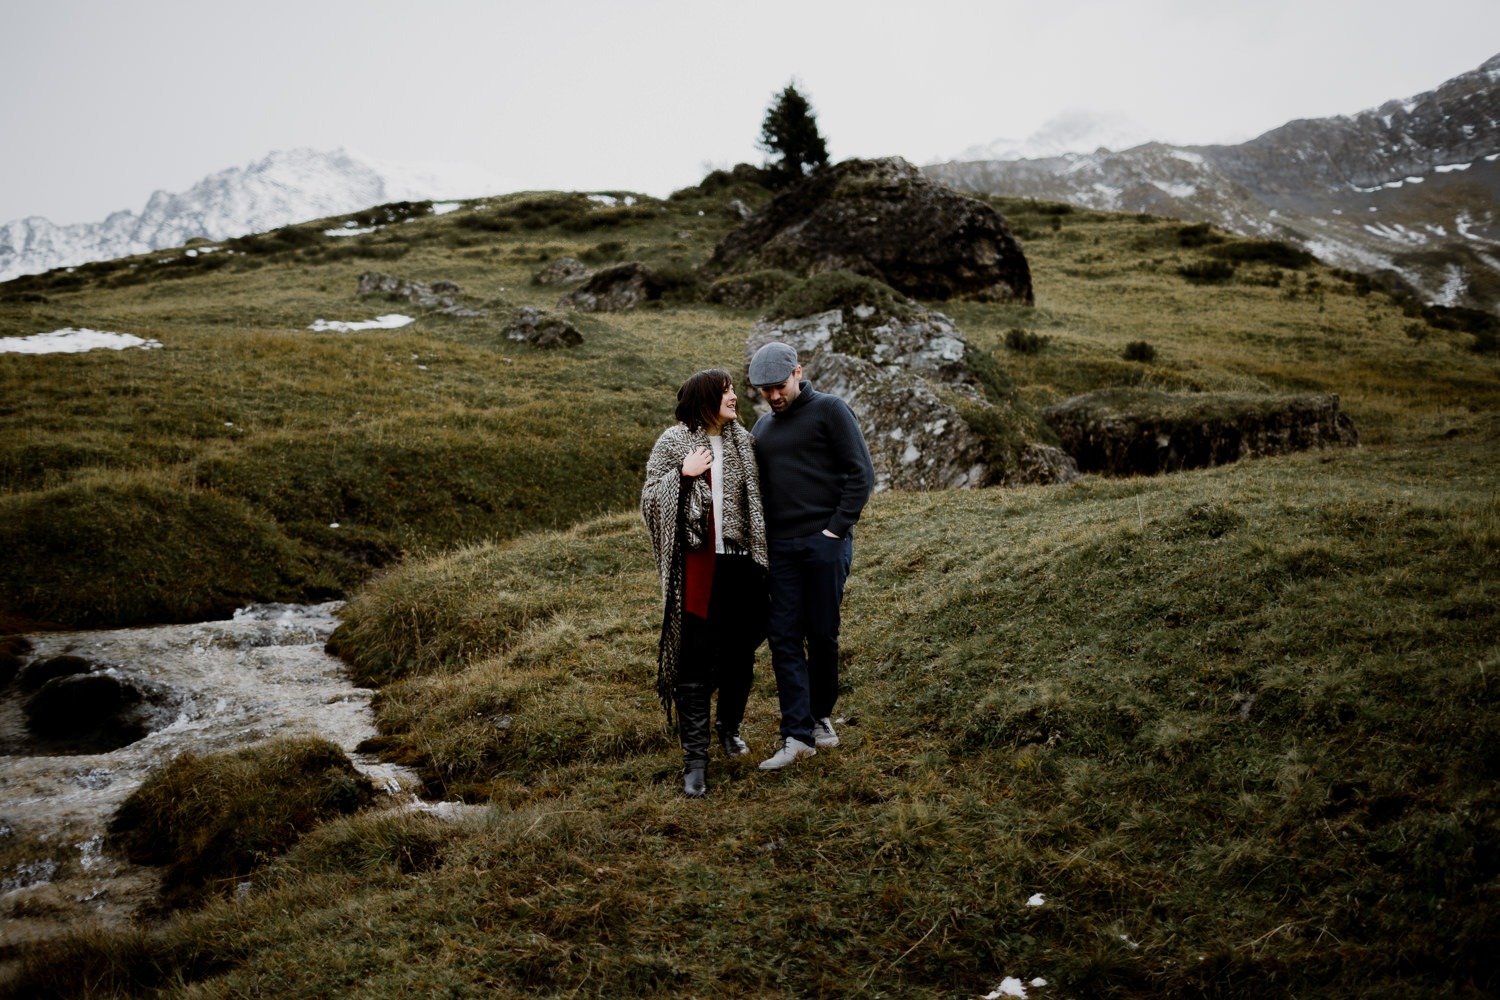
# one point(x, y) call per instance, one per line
point(702, 506)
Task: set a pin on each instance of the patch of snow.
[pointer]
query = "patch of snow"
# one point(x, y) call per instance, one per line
point(1175, 190)
point(391, 321)
point(71, 341)
point(1186, 157)
point(611, 200)
point(1454, 286)
point(1037, 900)
point(1110, 195)
point(1010, 986)
point(1448, 168)
point(350, 232)
point(1335, 252)
point(444, 207)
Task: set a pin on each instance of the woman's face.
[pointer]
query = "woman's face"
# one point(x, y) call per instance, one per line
point(728, 408)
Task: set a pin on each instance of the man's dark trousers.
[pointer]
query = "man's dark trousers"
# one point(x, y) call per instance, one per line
point(807, 587)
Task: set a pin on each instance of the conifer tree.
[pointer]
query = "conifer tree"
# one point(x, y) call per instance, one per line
point(790, 132)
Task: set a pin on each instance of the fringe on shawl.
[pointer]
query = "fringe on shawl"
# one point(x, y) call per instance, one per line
point(669, 649)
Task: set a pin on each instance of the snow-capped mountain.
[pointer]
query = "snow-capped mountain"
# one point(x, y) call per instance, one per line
point(285, 187)
point(1409, 190)
point(1070, 132)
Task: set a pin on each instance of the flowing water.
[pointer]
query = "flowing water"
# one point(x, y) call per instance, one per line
point(213, 686)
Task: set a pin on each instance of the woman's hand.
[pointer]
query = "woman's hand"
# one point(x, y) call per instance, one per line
point(697, 462)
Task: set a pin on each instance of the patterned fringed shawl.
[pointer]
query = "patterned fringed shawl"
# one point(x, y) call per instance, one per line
point(677, 512)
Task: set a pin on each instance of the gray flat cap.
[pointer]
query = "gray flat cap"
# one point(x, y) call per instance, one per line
point(772, 365)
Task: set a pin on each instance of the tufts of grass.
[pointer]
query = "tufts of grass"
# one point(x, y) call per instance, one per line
point(212, 820)
point(117, 548)
point(843, 290)
point(1273, 252)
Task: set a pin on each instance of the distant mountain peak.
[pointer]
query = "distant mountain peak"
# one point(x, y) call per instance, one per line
point(1072, 131)
point(1409, 190)
point(281, 188)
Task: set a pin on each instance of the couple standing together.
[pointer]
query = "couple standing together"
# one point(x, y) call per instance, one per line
point(752, 537)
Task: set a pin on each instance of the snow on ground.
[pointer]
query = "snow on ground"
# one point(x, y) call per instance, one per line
point(1175, 190)
point(350, 232)
point(1454, 286)
point(71, 341)
point(1013, 987)
point(391, 321)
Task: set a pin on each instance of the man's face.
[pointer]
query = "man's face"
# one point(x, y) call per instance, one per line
point(785, 394)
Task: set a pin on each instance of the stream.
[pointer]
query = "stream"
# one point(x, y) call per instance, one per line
point(209, 687)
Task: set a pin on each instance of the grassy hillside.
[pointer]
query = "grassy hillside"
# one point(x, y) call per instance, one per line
point(1236, 727)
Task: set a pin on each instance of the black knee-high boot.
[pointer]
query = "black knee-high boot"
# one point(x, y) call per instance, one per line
point(692, 727)
point(734, 693)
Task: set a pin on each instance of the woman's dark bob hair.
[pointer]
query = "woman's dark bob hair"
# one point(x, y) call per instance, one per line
point(701, 396)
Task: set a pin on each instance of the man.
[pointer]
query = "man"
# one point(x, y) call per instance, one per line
point(816, 476)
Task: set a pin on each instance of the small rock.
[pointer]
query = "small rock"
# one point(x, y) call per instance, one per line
point(542, 329)
point(38, 672)
point(93, 713)
point(562, 271)
point(442, 295)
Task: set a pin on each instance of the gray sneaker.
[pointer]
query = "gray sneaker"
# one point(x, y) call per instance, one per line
point(792, 750)
point(823, 734)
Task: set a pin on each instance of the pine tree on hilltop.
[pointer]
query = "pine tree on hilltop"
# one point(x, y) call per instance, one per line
point(790, 131)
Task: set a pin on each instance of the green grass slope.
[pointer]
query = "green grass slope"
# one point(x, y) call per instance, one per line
point(1236, 727)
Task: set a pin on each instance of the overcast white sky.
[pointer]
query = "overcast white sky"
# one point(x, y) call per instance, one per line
point(104, 101)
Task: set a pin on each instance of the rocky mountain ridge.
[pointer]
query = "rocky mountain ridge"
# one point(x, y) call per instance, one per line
point(1408, 191)
point(282, 188)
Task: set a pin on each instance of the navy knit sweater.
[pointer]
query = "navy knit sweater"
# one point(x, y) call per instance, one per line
point(815, 469)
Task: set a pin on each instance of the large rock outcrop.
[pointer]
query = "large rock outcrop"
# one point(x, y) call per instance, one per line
point(1127, 432)
point(882, 219)
point(920, 394)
